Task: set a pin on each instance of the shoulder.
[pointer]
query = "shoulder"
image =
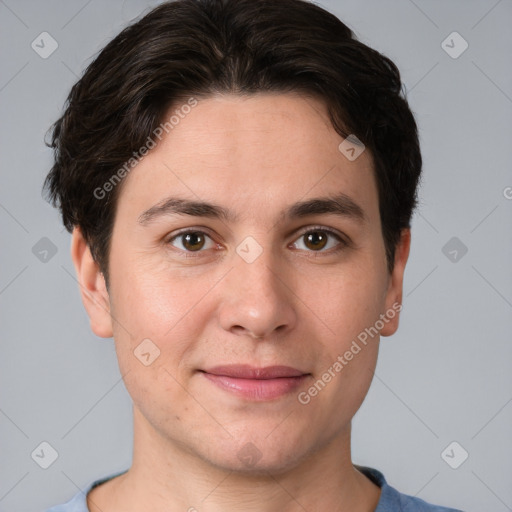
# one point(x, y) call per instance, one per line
point(392, 500)
point(78, 503)
point(413, 504)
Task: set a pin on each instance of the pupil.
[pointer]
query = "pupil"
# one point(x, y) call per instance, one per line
point(192, 236)
point(317, 237)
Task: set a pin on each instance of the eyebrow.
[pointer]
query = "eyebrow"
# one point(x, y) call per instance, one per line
point(339, 204)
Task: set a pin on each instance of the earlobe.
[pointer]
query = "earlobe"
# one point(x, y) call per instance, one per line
point(395, 289)
point(92, 285)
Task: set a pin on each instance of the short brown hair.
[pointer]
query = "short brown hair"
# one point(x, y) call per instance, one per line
point(187, 48)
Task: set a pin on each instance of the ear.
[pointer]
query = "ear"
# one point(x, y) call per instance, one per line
point(93, 288)
point(394, 293)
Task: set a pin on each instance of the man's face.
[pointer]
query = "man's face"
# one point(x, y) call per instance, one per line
point(259, 287)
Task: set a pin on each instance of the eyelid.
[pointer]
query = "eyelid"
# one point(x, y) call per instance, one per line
point(193, 229)
point(331, 231)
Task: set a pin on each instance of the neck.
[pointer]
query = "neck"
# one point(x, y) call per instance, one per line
point(165, 475)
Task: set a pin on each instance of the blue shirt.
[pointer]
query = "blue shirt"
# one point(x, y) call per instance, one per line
point(390, 499)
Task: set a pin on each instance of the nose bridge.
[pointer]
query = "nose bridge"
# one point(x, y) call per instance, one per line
point(259, 277)
point(255, 297)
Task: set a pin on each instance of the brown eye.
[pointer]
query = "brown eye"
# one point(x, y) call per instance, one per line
point(316, 240)
point(193, 241)
point(190, 241)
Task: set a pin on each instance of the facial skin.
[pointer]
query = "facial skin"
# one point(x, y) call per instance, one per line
point(299, 304)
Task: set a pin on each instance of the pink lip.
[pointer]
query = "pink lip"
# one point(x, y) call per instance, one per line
point(256, 383)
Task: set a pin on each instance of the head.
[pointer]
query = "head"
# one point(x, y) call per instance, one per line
point(230, 119)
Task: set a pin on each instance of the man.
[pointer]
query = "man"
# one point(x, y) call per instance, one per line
point(239, 178)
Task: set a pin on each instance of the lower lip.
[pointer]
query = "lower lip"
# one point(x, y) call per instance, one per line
point(257, 389)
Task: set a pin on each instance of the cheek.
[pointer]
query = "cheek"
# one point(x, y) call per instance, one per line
point(348, 302)
point(151, 345)
point(152, 328)
point(349, 305)
point(152, 302)
point(342, 380)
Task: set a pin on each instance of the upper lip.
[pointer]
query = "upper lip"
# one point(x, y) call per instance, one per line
point(245, 371)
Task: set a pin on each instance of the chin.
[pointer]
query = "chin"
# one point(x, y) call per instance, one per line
point(258, 457)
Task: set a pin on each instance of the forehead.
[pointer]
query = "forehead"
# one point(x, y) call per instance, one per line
point(250, 154)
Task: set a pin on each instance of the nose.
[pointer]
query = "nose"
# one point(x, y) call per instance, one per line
point(257, 299)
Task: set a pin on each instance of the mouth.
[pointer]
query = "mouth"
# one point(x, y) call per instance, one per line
point(258, 384)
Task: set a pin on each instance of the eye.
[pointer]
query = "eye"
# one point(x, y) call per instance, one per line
point(191, 241)
point(317, 239)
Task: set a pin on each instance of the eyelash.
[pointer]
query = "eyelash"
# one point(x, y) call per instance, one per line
point(314, 254)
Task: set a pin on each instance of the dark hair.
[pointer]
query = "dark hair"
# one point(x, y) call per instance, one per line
point(196, 48)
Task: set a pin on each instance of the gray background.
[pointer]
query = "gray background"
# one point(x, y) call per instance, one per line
point(445, 376)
